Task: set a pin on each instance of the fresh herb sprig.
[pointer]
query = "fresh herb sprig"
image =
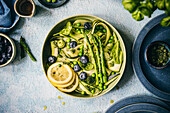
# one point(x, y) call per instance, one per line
point(27, 49)
point(141, 8)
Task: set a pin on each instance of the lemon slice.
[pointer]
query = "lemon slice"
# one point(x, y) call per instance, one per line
point(66, 85)
point(59, 73)
point(72, 87)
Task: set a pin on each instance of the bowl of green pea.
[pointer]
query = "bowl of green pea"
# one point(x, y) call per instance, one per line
point(52, 3)
point(157, 55)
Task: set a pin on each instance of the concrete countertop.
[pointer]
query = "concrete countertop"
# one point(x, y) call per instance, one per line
point(24, 87)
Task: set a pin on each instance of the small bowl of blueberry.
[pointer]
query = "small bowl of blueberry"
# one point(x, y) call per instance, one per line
point(7, 50)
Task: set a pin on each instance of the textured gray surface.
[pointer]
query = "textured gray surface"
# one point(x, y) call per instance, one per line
point(23, 84)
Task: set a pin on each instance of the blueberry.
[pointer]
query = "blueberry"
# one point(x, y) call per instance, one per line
point(5, 41)
point(52, 59)
point(84, 59)
point(87, 25)
point(2, 61)
point(77, 68)
point(73, 44)
point(9, 49)
point(8, 55)
point(3, 55)
point(83, 76)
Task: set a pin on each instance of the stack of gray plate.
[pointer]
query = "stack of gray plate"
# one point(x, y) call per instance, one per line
point(139, 104)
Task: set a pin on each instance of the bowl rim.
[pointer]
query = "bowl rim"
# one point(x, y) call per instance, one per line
point(117, 33)
point(13, 48)
point(146, 54)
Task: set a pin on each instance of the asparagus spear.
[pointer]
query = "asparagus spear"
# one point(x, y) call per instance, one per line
point(92, 53)
point(102, 60)
point(26, 48)
point(98, 58)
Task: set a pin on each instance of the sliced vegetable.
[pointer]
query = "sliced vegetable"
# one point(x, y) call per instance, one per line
point(54, 48)
point(108, 33)
point(66, 31)
point(27, 49)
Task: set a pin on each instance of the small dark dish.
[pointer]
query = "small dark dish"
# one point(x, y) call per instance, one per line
point(7, 50)
point(51, 4)
point(157, 55)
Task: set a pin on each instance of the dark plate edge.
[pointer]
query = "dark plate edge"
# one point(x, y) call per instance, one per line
point(138, 96)
point(142, 104)
point(138, 72)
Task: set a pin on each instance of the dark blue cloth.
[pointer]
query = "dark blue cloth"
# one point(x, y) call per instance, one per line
point(8, 17)
point(5, 15)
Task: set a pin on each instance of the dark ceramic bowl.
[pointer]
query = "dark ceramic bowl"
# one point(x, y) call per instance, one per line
point(147, 55)
point(13, 50)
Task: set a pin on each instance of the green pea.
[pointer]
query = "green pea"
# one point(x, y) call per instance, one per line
point(93, 75)
point(110, 41)
point(72, 65)
point(112, 73)
point(75, 62)
point(59, 65)
point(104, 86)
point(104, 30)
point(101, 88)
point(92, 91)
point(83, 92)
point(101, 27)
point(77, 29)
point(81, 50)
point(100, 85)
point(99, 75)
point(111, 37)
point(95, 31)
point(98, 27)
point(80, 54)
point(48, 0)
point(53, 1)
point(78, 24)
point(68, 40)
point(79, 32)
point(82, 46)
point(68, 46)
point(100, 30)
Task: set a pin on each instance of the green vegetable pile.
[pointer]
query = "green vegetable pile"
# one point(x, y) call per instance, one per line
point(92, 50)
point(141, 8)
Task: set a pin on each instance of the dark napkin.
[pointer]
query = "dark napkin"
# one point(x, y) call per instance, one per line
point(8, 17)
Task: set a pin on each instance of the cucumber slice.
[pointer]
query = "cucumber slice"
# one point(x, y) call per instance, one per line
point(54, 48)
point(65, 31)
point(63, 59)
point(115, 68)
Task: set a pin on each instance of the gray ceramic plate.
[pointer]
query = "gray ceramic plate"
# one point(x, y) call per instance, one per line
point(136, 99)
point(157, 81)
point(142, 108)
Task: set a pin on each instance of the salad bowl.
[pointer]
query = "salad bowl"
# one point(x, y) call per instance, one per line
point(57, 29)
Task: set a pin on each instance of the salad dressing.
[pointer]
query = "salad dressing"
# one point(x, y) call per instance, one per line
point(26, 8)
